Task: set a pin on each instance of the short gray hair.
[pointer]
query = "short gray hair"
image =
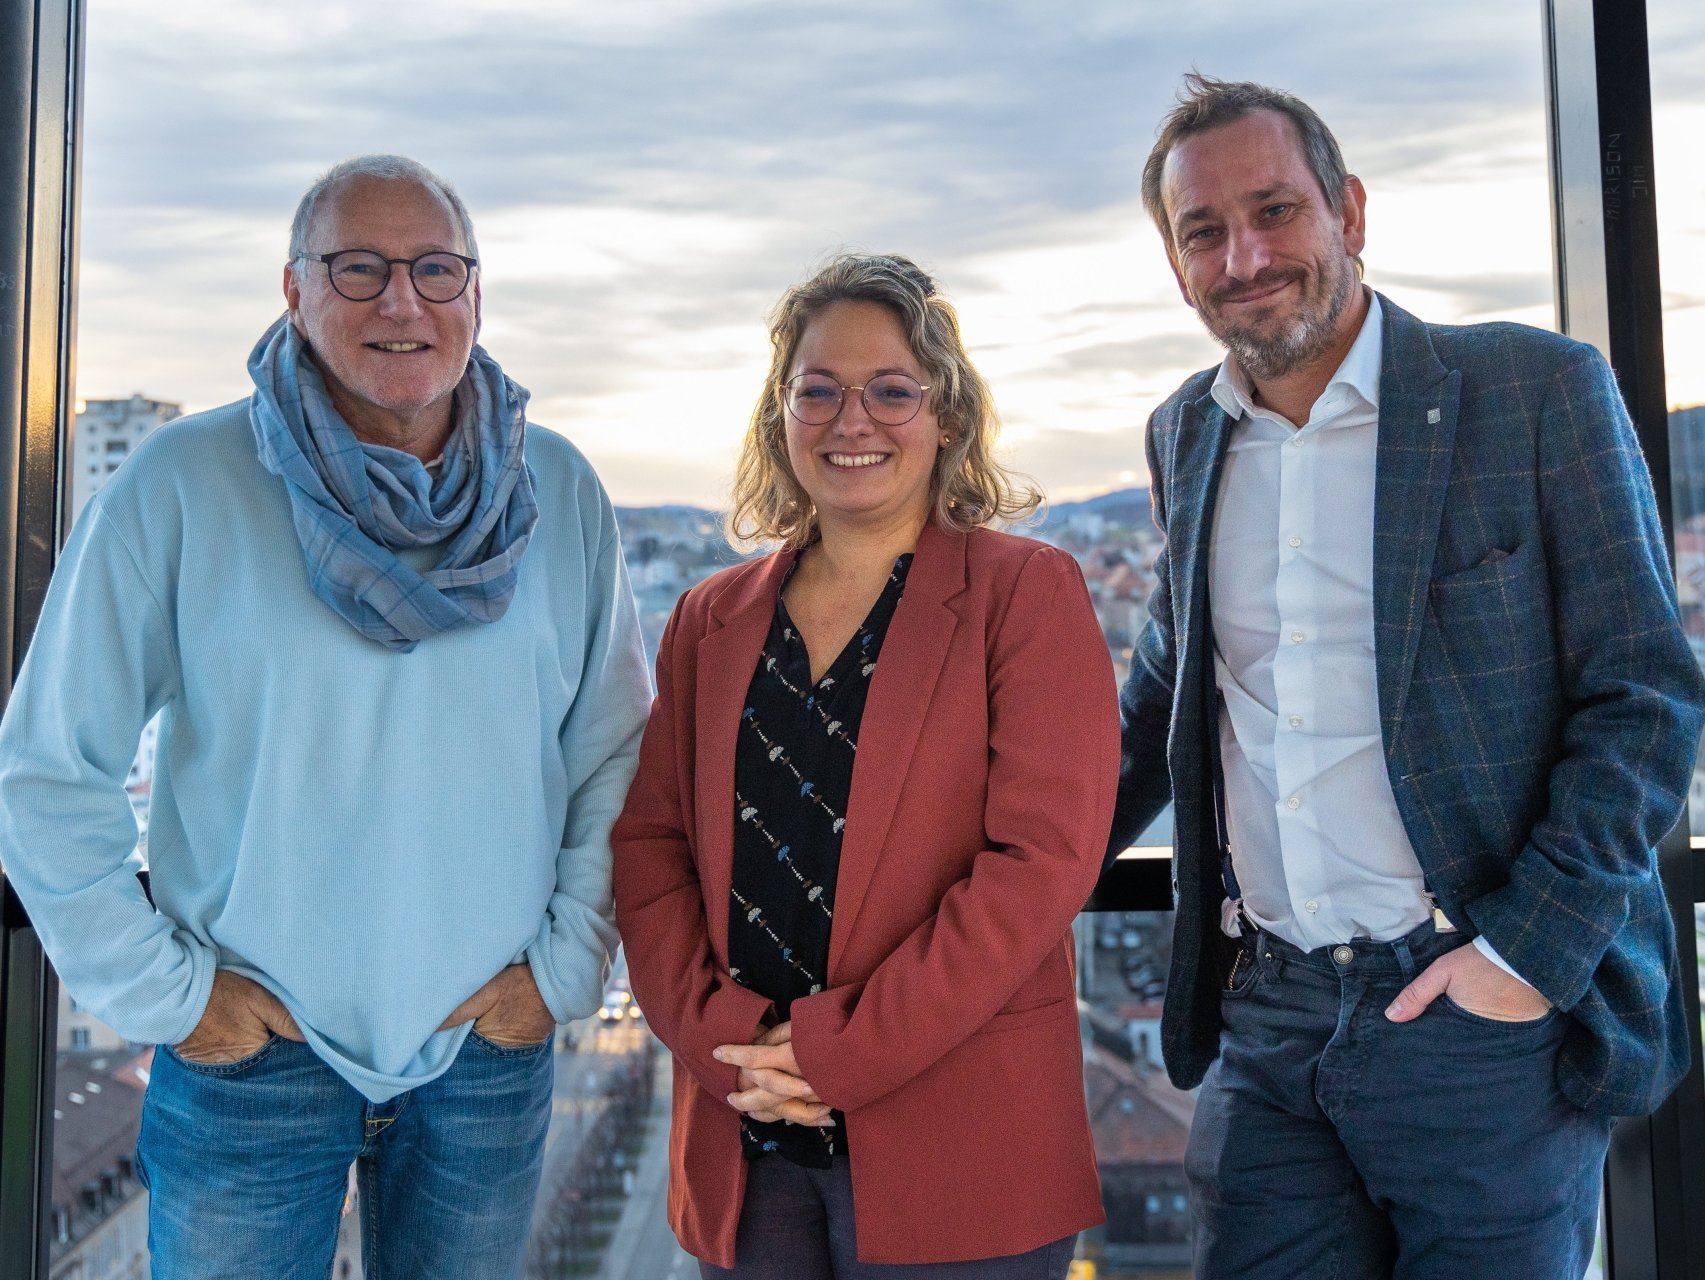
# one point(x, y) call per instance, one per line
point(389, 169)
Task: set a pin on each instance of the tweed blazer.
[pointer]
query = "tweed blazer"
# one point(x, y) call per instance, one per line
point(1539, 704)
point(987, 765)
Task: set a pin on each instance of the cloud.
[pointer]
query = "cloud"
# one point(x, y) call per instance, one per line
point(1187, 350)
point(1072, 464)
point(1475, 296)
point(651, 479)
point(648, 178)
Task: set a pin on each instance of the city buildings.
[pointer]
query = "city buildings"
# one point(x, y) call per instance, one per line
point(99, 1222)
point(107, 432)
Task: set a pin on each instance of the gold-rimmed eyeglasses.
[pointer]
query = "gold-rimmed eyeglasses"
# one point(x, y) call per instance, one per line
point(815, 399)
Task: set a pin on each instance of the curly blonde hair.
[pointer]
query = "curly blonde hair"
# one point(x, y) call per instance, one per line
point(968, 488)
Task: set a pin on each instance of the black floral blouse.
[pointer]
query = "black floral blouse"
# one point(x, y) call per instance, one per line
point(793, 768)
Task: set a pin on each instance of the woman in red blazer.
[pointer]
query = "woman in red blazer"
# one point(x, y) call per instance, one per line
point(874, 792)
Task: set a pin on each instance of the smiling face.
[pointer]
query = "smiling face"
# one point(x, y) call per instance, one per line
point(390, 363)
point(1257, 249)
point(858, 471)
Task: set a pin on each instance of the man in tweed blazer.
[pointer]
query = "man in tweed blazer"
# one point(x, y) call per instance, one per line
point(1415, 681)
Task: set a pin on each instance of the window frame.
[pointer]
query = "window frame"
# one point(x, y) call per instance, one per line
point(1608, 293)
point(1598, 91)
point(41, 60)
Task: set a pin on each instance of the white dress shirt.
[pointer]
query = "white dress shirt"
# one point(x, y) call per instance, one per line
point(1317, 844)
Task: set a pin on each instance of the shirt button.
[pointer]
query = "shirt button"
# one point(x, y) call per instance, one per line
point(1296, 722)
point(1293, 803)
point(1297, 441)
point(1294, 540)
point(1343, 955)
point(1311, 905)
point(1296, 637)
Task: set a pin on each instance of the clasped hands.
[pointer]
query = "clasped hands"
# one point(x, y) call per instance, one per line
point(241, 1015)
point(771, 1086)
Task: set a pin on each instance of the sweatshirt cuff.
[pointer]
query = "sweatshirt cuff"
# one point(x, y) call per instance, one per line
point(203, 964)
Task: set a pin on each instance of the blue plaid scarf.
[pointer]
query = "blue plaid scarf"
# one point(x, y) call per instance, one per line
point(357, 505)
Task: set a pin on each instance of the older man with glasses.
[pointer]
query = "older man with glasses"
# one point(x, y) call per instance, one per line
point(389, 631)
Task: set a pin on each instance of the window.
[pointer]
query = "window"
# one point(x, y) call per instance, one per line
point(1023, 137)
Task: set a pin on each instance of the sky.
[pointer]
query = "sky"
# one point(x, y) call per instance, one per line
point(647, 178)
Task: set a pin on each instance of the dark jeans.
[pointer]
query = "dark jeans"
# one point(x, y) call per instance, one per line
point(1333, 1144)
point(246, 1164)
point(797, 1224)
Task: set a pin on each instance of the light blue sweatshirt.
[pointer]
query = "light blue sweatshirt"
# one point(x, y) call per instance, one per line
point(370, 835)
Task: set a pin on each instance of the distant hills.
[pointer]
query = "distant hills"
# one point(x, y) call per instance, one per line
point(672, 510)
point(1128, 507)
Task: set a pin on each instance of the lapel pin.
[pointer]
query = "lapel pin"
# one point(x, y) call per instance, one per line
point(1432, 417)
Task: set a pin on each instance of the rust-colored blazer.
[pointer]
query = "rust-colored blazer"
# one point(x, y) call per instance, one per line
point(988, 761)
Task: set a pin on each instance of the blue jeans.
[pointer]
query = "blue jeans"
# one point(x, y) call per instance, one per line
point(1333, 1144)
point(246, 1164)
point(797, 1224)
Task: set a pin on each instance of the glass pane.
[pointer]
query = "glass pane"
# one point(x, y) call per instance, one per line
point(642, 200)
point(1140, 1121)
point(1678, 112)
point(1115, 541)
point(1699, 943)
point(1598, 1267)
point(602, 1196)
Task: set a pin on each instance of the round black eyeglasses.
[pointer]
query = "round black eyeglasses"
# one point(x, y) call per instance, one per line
point(363, 274)
point(815, 399)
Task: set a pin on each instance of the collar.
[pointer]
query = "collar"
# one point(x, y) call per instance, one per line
point(1358, 375)
point(936, 575)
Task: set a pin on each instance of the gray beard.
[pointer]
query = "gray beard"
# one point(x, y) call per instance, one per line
point(1308, 337)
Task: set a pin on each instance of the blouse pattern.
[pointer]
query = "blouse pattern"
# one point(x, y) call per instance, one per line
point(793, 767)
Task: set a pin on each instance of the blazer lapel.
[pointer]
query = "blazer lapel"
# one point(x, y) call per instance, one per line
point(912, 655)
point(1194, 494)
point(1203, 433)
point(727, 657)
point(1418, 400)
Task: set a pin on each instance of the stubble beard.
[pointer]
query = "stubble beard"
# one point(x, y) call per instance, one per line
point(1268, 349)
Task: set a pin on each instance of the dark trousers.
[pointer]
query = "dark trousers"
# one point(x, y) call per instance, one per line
point(1333, 1144)
point(797, 1224)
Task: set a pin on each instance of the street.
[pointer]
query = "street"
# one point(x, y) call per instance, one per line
point(643, 1247)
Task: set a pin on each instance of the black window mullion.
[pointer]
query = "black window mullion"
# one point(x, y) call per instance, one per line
point(1598, 80)
point(40, 77)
